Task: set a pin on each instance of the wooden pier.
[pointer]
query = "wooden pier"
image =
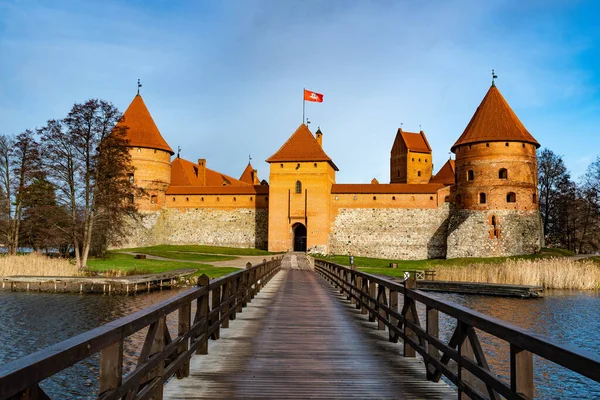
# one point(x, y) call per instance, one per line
point(96, 284)
point(280, 330)
point(484, 289)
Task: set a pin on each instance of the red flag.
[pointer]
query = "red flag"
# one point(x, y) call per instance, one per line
point(313, 96)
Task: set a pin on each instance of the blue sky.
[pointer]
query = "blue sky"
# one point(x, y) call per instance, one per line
point(224, 79)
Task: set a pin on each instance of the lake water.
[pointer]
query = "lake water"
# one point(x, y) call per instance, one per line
point(32, 321)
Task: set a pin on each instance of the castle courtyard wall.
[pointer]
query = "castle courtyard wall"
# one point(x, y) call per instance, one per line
point(395, 233)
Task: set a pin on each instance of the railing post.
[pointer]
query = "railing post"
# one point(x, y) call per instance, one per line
point(364, 291)
point(466, 351)
point(158, 345)
point(393, 320)
point(372, 295)
point(521, 371)
point(246, 285)
point(183, 325)
point(111, 367)
point(381, 300)
point(358, 292)
point(432, 319)
point(225, 295)
point(233, 292)
point(349, 279)
point(409, 284)
point(216, 302)
point(203, 312)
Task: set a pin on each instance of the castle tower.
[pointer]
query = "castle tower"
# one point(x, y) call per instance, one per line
point(496, 207)
point(410, 158)
point(300, 181)
point(150, 155)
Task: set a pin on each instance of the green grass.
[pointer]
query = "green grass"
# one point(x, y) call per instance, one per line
point(379, 266)
point(197, 252)
point(126, 262)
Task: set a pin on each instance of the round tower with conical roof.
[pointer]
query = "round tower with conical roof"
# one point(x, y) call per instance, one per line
point(150, 156)
point(495, 196)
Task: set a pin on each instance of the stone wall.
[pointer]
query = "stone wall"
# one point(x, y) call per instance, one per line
point(394, 233)
point(244, 227)
point(471, 233)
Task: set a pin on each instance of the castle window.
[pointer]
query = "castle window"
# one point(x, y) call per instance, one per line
point(534, 198)
point(393, 197)
point(187, 199)
point(355, 197)
point(506, 144)
point(398, 173)
point(412, 198)
point(425, 160)
point(201, 199)
point(337, 198)
point(139, 150)
point(130, 178)
point(418, 173)
point(482, 198)
point(281, 165)
point(419, 160)
point(374, 197)
point(218, 199)
point(154, 199)
point(503, 173)
point(234, 199)
point(155, 151)
point(298, 187)
point(523, 145)
point(315, 164)
point(494, 221)
point(470, 175)
point(250, 198)
point(469, 147)
point(173, 198)
point(430, 197)
point(511, 197)
point(266, 198)
point(446, 199)
point(487, 145)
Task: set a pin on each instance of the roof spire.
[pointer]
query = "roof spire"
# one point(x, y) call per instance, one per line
point(494, 76)
point(178, 151)
point(139, 86)
point(249, 159)
point(401, 125)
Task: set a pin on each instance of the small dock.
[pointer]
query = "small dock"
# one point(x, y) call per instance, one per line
point(478, 288)
point(96, 284)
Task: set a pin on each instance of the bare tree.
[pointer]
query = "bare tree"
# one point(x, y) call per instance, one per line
point(87, 157)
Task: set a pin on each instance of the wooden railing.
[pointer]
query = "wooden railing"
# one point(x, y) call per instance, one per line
point(217, 302)
point(379, 298)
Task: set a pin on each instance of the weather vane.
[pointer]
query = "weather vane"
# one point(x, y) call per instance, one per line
point(139, 86)
point(249, 158)
point(307, 121)
point(494, 76)
point(401, 125)
point(178, 151)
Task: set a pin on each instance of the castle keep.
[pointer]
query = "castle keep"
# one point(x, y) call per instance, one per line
point(482, 204)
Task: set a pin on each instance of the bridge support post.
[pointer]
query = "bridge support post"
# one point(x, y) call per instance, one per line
point(216, 303)
point(393, 320)
point(381, 300)
point(111, 367)
point(349, 280)
point(432, 326)
point(409, 313)
point(359, 293)
point(372, 296)
point(521, 371)
point(364, 291)
point(203, 311)
point(184, 319)
point(225, 295)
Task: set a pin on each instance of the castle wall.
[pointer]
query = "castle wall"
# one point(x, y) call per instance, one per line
point(497, 233)
point(395, 233)
point(240, 227)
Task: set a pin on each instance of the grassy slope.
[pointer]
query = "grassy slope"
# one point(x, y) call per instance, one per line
point(197, 252)
point(380, 266)
point(125, 262)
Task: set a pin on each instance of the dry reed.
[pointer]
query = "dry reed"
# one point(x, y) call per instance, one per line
point(36, 265)
point(551, 273)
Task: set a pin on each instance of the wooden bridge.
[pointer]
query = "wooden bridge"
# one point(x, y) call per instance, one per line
point(312, 332)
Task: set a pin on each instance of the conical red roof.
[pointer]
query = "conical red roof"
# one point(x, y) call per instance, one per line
point(301, 146)
point(445, 175)
point(494, 121)
point(248, 176)
point(142, 131)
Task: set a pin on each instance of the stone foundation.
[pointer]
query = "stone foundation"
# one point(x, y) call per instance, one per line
point(409, 234)
point(244, 228)
point(471, 233)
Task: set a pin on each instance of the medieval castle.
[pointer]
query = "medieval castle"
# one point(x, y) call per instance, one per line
point(482, 204)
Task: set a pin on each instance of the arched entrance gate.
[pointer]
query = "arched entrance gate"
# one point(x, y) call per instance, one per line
point(299, 237)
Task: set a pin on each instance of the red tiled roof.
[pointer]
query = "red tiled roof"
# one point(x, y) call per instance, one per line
point(416, 142)
point(391, 188)
point(142, 131)
point(248, 174)
point(301, 146)
point(445, 175)
point(248, 189)
point(494, 120)
point(186, 173)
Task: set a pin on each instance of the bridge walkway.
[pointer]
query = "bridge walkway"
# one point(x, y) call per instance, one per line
point(299, 339)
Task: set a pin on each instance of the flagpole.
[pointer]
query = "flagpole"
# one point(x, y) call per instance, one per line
point(303, 104)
